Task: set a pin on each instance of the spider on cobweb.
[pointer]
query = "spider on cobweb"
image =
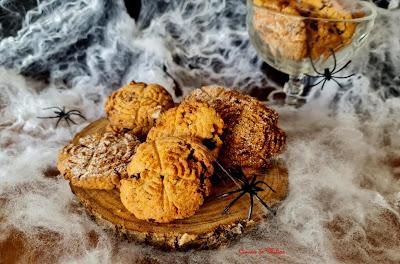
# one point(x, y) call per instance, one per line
point(62, 114)
point(245, 186)
point(328, 74)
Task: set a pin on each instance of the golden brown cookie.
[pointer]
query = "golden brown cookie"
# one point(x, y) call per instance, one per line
point(169, 178)
point(285, 36)
point(136, 106)
point(325, 36)
point(251, 133)
point(195, 119)
point(294, 38)
point(99, 161)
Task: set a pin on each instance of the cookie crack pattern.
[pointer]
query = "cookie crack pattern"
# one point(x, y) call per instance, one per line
point(180, 179)
point(181, 166)
point(137, 111)
point(82, 145)
point(164, 195)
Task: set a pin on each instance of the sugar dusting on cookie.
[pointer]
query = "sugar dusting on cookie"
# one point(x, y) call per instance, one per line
point(103, 157)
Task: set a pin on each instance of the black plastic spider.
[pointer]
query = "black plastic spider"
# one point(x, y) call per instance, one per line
point(62, 114)
point(328, 74)
point(245, 186)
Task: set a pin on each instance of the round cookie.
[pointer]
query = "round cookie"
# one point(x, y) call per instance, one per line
point(195, 119)
point(168, 179)
point(99, 161)
point(136, 106)
point(251, 133)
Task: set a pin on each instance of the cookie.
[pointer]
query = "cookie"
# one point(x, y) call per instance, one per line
point(136, 107)
point(168, 179)
point(286, 36)
point(195, 119)
point(251, 133)
point(325, 36)
point(98, 161)
point(295, 38)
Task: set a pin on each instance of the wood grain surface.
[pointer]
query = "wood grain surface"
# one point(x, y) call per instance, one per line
point(208, 228)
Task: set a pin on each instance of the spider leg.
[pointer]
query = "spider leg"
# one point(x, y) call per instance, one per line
point(44, 117)
point(345, 77)
point(314, 76)
point(73, 110)
point(242, 177)
point(259, 182)
point(223, 195)
point(228, 174)
point(313, 66)
point(66, 120)
point(250, 212)
point(58, 121)
point(334, 60)
point(265, 205)
point(80, 115)
point(76, 113)
point(347, 64)
point(52, 107)
point(72, 121)
point(323, 84)
point(337, 83)
point(226, 210)
point(257, 189)
point(315, 84)
point(238, 174)
point(253, 179)
point(221, 177)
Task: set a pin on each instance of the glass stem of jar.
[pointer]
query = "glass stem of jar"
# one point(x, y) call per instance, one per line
point(294, 89)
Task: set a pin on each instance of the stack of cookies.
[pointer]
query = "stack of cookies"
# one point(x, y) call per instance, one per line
point(160, 156)
point(296, 38)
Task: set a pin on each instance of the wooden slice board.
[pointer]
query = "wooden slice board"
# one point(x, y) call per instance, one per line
point(208, 228)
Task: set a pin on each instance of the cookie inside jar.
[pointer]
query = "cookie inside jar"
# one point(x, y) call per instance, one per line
point(300, 29)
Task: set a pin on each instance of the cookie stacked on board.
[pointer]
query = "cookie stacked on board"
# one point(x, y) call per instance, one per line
point(161, 156)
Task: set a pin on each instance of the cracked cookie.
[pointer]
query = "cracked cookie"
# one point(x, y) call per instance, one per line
point(136, 107)
point(285, 36)
point(168, 179)
point(195, 119)
point(295, 38)
point(98, 161)
point(251, 133)
point(326, 36)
